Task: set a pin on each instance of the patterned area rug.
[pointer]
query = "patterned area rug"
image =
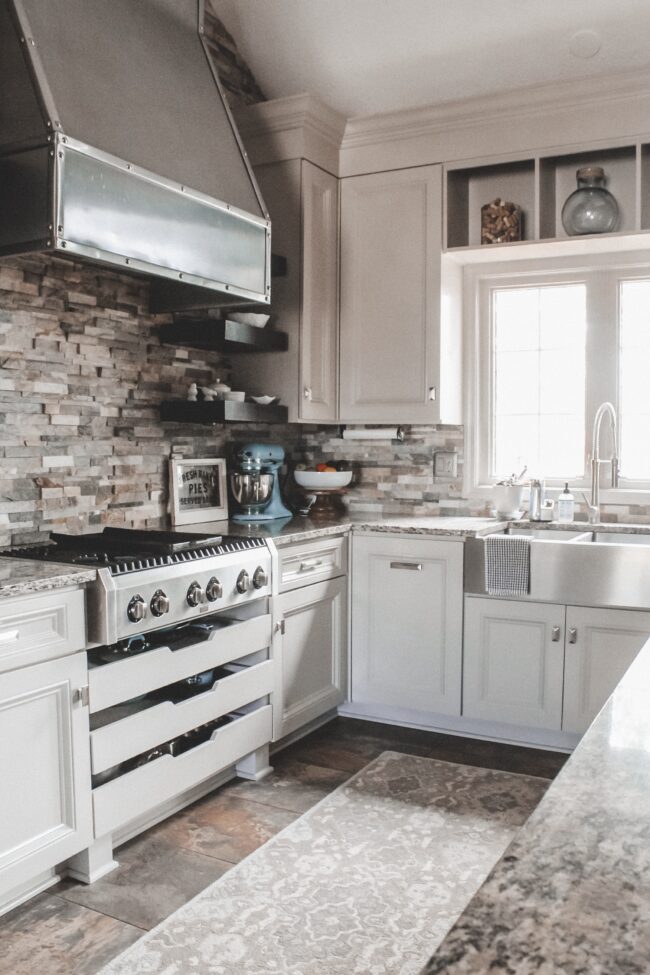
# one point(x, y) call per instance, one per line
point(368, 882)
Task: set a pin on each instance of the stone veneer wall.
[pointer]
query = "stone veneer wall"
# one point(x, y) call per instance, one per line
point(235, 75)
point(82, 374)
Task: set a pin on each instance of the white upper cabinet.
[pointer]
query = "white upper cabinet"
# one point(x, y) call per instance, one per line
point(391, 366)
point(319, 299)
point(303, 203)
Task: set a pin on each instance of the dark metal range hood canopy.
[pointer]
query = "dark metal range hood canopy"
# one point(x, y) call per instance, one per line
point(117, 145)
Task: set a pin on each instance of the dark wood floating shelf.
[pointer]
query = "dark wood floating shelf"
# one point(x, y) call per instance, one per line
point(222, 335)
point(220, 411)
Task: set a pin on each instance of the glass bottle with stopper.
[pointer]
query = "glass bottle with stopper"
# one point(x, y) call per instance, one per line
point(591, 208)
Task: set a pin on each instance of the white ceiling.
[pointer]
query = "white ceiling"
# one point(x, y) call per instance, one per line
point(366, 56)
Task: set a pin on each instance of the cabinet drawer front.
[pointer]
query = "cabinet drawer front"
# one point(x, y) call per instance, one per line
point(36, 628)
point(300, 565)
point(120, 681)
point(131, 736)
point(131, 795)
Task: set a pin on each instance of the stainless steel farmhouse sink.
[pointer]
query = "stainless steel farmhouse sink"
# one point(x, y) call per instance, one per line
point(582, 567)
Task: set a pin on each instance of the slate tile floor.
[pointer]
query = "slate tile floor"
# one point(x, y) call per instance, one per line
point(73, 929)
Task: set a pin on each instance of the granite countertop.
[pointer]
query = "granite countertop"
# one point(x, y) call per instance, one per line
point(19, 577)
point(571, 894)
point(300, 529)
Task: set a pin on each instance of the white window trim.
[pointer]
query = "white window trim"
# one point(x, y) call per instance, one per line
point(475, 280)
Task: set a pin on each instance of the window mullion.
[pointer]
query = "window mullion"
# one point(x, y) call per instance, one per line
point(602, 349)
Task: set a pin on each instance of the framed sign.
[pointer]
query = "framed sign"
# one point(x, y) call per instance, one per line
point(197, 490)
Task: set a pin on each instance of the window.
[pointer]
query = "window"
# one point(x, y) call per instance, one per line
point(634, 380)
point(546, 348)
point(538, 362)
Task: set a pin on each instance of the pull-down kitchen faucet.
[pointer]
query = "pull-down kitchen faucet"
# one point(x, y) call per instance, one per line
point(593, 506)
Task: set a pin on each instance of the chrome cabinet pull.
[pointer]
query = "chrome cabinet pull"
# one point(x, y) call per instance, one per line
point(310, 565)
point(573, 635)
point(9, 636)
point(82, 696)
point(555, 634)
point(413, 566)
point(432, 393)
point(279, 627)
point(307, 393)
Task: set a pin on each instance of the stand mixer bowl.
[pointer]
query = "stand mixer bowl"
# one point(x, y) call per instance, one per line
point(251, 490)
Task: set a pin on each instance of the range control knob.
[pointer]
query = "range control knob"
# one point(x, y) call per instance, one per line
point(260, 577)
point(243, 581)
point(137, 609)
point(195, 595)
point(159, 603)
point(214, 589)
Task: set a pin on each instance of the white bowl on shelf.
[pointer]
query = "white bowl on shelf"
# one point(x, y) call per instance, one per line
point(322, 480)
point(249, 318)
point(265, 400)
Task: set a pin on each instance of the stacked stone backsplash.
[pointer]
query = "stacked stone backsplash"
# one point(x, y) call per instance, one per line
point(235, 75)
point(82, 374)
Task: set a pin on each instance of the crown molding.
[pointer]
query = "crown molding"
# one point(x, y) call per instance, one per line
point(507, 106)
point(302, 124)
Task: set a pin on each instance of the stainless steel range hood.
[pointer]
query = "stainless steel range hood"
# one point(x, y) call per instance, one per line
point(116, 145)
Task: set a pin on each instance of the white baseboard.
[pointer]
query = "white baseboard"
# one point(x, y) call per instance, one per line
point(18, 896)
point(558, 741)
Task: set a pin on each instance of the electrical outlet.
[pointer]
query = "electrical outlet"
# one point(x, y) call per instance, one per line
point(445, 463)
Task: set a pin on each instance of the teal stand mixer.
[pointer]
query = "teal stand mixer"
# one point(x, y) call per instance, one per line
point(255, 484)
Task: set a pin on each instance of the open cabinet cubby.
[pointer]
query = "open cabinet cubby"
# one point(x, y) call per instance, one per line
point(540, 185)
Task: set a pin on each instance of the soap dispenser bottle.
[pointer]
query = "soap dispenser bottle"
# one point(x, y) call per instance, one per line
point(565, 506)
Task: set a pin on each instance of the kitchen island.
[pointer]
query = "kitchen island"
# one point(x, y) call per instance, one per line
point(571, 895)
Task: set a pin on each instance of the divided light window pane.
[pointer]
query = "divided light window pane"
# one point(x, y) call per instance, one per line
point(634, 420)
point(538, 368)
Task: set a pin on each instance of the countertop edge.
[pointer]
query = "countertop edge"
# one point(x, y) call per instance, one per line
point(45, 577)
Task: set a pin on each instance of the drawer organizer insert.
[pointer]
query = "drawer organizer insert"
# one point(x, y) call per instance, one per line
point(166, 775)
point(172, 656)
point(129, 730)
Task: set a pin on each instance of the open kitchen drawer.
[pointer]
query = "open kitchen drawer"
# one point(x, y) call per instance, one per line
point(127, 737)
point(134, 793)
point(123, 679)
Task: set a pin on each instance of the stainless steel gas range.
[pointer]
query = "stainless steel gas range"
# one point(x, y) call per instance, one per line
point(180, 671)
point(150, 579)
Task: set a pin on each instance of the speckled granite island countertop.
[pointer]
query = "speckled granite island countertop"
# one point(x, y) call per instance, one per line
point(20, 577)
point(571, 895)
point(300, 529)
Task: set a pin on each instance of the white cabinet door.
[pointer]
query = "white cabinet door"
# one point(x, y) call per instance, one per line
point(390, 296)
point(513, 662)
point(601, 645)
point(45, 800)
point(407, 618)
point(313, 653)
point(303, 203)
point(319, 317)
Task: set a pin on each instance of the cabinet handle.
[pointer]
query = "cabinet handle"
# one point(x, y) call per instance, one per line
point(9, 636)
point(413, 566)
point(307, 393)
point(279, 627)
point(82, 696)
point(555, 634)
point(432, 393)
point(310, 565)
point(573, 635)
